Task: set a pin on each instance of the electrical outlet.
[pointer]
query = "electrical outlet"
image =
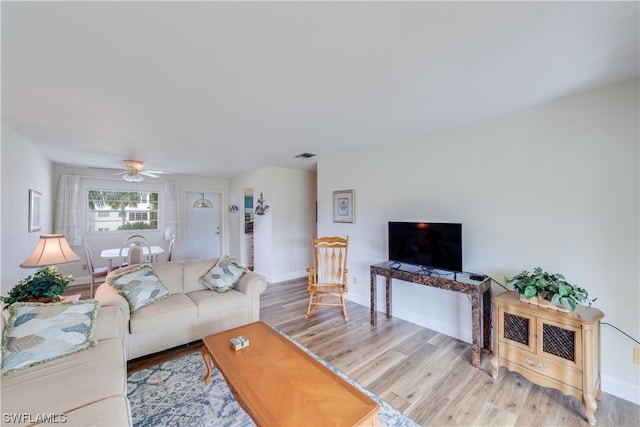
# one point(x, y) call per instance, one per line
point(355, 280)
point(84, 266)
point(636, 356)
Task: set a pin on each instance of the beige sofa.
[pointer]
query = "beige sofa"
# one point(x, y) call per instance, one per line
point(191, 312)
point(88, 388)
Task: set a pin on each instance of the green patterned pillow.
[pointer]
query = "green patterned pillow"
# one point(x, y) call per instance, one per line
point(139, 286)
point(38, 333)
point(224, 275)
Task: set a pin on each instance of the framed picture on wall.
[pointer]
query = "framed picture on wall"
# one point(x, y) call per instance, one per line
point(343, 206)
point(35, 197)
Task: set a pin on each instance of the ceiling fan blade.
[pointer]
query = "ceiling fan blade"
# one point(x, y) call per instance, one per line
point(95, 168)
point(121, 173)
point(149, 174)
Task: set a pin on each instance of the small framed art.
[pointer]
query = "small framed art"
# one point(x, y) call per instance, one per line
point(35, 197)
point(343, 206)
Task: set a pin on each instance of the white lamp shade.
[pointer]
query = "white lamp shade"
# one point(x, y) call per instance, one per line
point(52, 249)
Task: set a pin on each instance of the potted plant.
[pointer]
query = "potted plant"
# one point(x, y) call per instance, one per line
point(554, 288)
point(46, 285)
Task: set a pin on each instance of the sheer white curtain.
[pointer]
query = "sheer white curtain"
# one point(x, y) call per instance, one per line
point(169, 209)
point(67, 220)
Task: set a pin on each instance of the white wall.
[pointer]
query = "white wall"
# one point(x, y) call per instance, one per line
point(99, 241)
point(282, 237)
point(23, 168)
point(294, 221)
point(236, 224)
point(555, 185)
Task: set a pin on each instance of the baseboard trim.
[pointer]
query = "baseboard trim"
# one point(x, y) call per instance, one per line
point(621, 389)
point(426, 322)
point(283, 278)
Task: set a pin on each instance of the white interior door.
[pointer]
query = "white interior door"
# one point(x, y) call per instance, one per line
point(202, 227)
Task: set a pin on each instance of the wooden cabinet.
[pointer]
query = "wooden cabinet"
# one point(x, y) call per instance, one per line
point(549, 348)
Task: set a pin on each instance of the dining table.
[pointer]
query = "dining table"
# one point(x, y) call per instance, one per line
point(114, 253)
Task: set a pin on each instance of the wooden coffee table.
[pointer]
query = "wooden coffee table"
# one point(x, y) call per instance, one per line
point(277, 383)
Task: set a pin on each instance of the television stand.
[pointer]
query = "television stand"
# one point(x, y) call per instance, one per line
point(480, 292)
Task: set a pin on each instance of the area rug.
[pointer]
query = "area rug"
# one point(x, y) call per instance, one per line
point(174, 394)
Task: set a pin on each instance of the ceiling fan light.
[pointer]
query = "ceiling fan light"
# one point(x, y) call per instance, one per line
point(132, 178)
point(133, 164)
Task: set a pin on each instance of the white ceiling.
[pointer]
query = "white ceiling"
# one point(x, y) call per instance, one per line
point(222, 88)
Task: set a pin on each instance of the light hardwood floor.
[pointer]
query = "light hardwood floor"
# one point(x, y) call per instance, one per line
point(426, 375)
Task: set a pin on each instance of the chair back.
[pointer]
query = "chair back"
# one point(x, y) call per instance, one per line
point(136, 238)
point(171, 243)
point(135, 251)
point(330, 260)
point(88, 258)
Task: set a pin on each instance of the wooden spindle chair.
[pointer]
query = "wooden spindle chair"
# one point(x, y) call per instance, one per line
point(327, 279)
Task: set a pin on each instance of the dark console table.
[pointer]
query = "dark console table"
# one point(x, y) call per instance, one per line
point(479, 290)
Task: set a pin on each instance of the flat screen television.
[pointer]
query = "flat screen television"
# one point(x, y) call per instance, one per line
point(428, 244)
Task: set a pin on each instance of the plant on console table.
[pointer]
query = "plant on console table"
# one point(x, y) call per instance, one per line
point(553, 288)
point(46, 285)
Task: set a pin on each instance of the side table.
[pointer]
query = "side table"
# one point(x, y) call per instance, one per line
point(479, 291)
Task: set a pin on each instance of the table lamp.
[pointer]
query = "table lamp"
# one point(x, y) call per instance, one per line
point(52, 249)
point(46, 285)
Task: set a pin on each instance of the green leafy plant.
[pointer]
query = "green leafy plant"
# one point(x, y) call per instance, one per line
point(46, 285)
point(139, 225)
point(551, 287)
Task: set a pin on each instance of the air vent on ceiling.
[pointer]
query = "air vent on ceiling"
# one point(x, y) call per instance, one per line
point(305, 155)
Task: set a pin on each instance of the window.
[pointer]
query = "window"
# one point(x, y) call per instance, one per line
point(111, 210)
point(138, 216)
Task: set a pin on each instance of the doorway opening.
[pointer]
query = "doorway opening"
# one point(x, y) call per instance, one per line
point(248, 227)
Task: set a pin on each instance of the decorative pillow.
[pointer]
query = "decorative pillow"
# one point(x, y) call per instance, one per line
point(139, 286)
point(38, 333)
point(224, 275)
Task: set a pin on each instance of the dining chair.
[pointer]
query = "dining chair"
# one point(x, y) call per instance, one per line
point(94, 273)
point(327, 279)
point(170, 250)
point(134, 249)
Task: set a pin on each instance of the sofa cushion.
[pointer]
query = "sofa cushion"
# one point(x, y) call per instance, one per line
point(69, 382)
point(38, 333)
point(140, 286)
point(192, 270)
point(170, 273)
point(224, 275)
point(214, 303)
point(109, 412)
point(174, 310)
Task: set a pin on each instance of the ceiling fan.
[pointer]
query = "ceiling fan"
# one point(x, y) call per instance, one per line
point(135, 171)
